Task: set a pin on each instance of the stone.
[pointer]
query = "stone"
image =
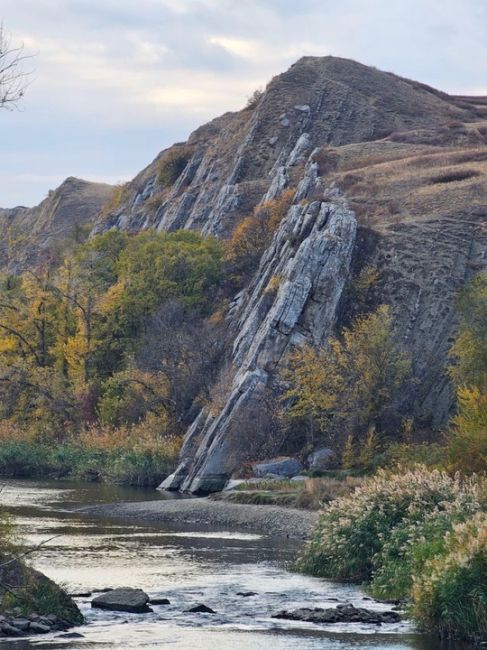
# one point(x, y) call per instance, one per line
point(21, 623)
point(70, 635)
point(422, 260)
point(125, 599)
point(346, 613)
point(11, 630)
point(246, 594)
point(298, 479)
point(201, 609)
point(283, 467)
point(234, 483)
point(81, 594)
point(323, 459)
point(39, 628)
point(159, 601)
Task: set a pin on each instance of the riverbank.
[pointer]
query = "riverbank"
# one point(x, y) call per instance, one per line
point(276, 521)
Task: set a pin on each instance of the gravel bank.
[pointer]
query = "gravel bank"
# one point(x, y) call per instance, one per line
point(269, 520)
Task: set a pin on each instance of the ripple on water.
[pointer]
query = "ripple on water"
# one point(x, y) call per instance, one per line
point(188, 568)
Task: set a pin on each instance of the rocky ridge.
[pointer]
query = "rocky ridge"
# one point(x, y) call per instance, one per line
point(366, 154)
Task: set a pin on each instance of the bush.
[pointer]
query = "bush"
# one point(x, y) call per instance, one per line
point(42, 596)
point(410, 455)
point(254, 234)
point(353, 530)
point(467, 435)
point(412, 544)
point(172, 165)
point(450, 596)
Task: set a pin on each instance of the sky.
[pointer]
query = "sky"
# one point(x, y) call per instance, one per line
point(116, 81)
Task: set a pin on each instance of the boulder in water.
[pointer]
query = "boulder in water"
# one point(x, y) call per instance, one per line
point(125, 599)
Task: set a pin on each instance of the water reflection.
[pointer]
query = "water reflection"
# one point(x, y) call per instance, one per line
point(188, 566)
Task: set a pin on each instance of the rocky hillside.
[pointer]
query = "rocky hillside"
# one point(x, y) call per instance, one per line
point(66, 213)
point(387, 175)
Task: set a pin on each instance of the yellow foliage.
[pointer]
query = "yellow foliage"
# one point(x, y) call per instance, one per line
point(349, 458)
point(467, 436)
point(352, 379)
point(273, 284)
point(254, 233)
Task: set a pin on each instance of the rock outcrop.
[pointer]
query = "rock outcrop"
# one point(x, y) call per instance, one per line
point(310, 256)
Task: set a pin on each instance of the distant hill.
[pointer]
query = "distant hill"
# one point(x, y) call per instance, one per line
point(67, 212)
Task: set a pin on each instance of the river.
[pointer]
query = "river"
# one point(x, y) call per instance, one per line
point(187, 565)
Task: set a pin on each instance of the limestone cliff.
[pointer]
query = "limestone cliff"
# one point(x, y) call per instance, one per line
point(386, 172)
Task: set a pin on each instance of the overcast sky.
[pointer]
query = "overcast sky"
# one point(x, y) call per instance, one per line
point(116, 81)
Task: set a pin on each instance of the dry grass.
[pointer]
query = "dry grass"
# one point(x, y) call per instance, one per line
point(388, 182)
point(310, 494)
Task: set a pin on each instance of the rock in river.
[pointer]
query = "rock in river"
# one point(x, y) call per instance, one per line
point(201, 609)
point(123, 600)
point(347, 613)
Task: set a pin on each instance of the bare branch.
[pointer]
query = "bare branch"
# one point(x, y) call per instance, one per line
point(13, 75)
point(29, 551)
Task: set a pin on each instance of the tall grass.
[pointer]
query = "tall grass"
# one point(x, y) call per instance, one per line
point(418, 535)
point(134, 455)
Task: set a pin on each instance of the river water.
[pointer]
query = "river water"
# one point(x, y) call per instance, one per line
point(189, 566)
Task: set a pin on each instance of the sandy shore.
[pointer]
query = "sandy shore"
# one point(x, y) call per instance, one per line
point(270, 520)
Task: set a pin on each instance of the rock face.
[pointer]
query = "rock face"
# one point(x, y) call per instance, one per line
point(372, 160)
point(123, 600)
point(28, 233)
point(311, 255)
point(237, 158)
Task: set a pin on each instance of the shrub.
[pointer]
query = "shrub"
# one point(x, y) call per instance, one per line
point(254, 234)
point(410, 455)
point(254, 99)
point(351, 382)
point(450, 595)
point(467, 435)
point(39, 594)
point(172, 165)
point(415, 541)
point(352, 530)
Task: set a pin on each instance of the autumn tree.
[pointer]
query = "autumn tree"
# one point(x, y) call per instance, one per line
point(72, 339)
point(254, 234)
point(348, 384)
point(469, 350)
point(467, 434)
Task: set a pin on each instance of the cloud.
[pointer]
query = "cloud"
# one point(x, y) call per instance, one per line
point(117, 80)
